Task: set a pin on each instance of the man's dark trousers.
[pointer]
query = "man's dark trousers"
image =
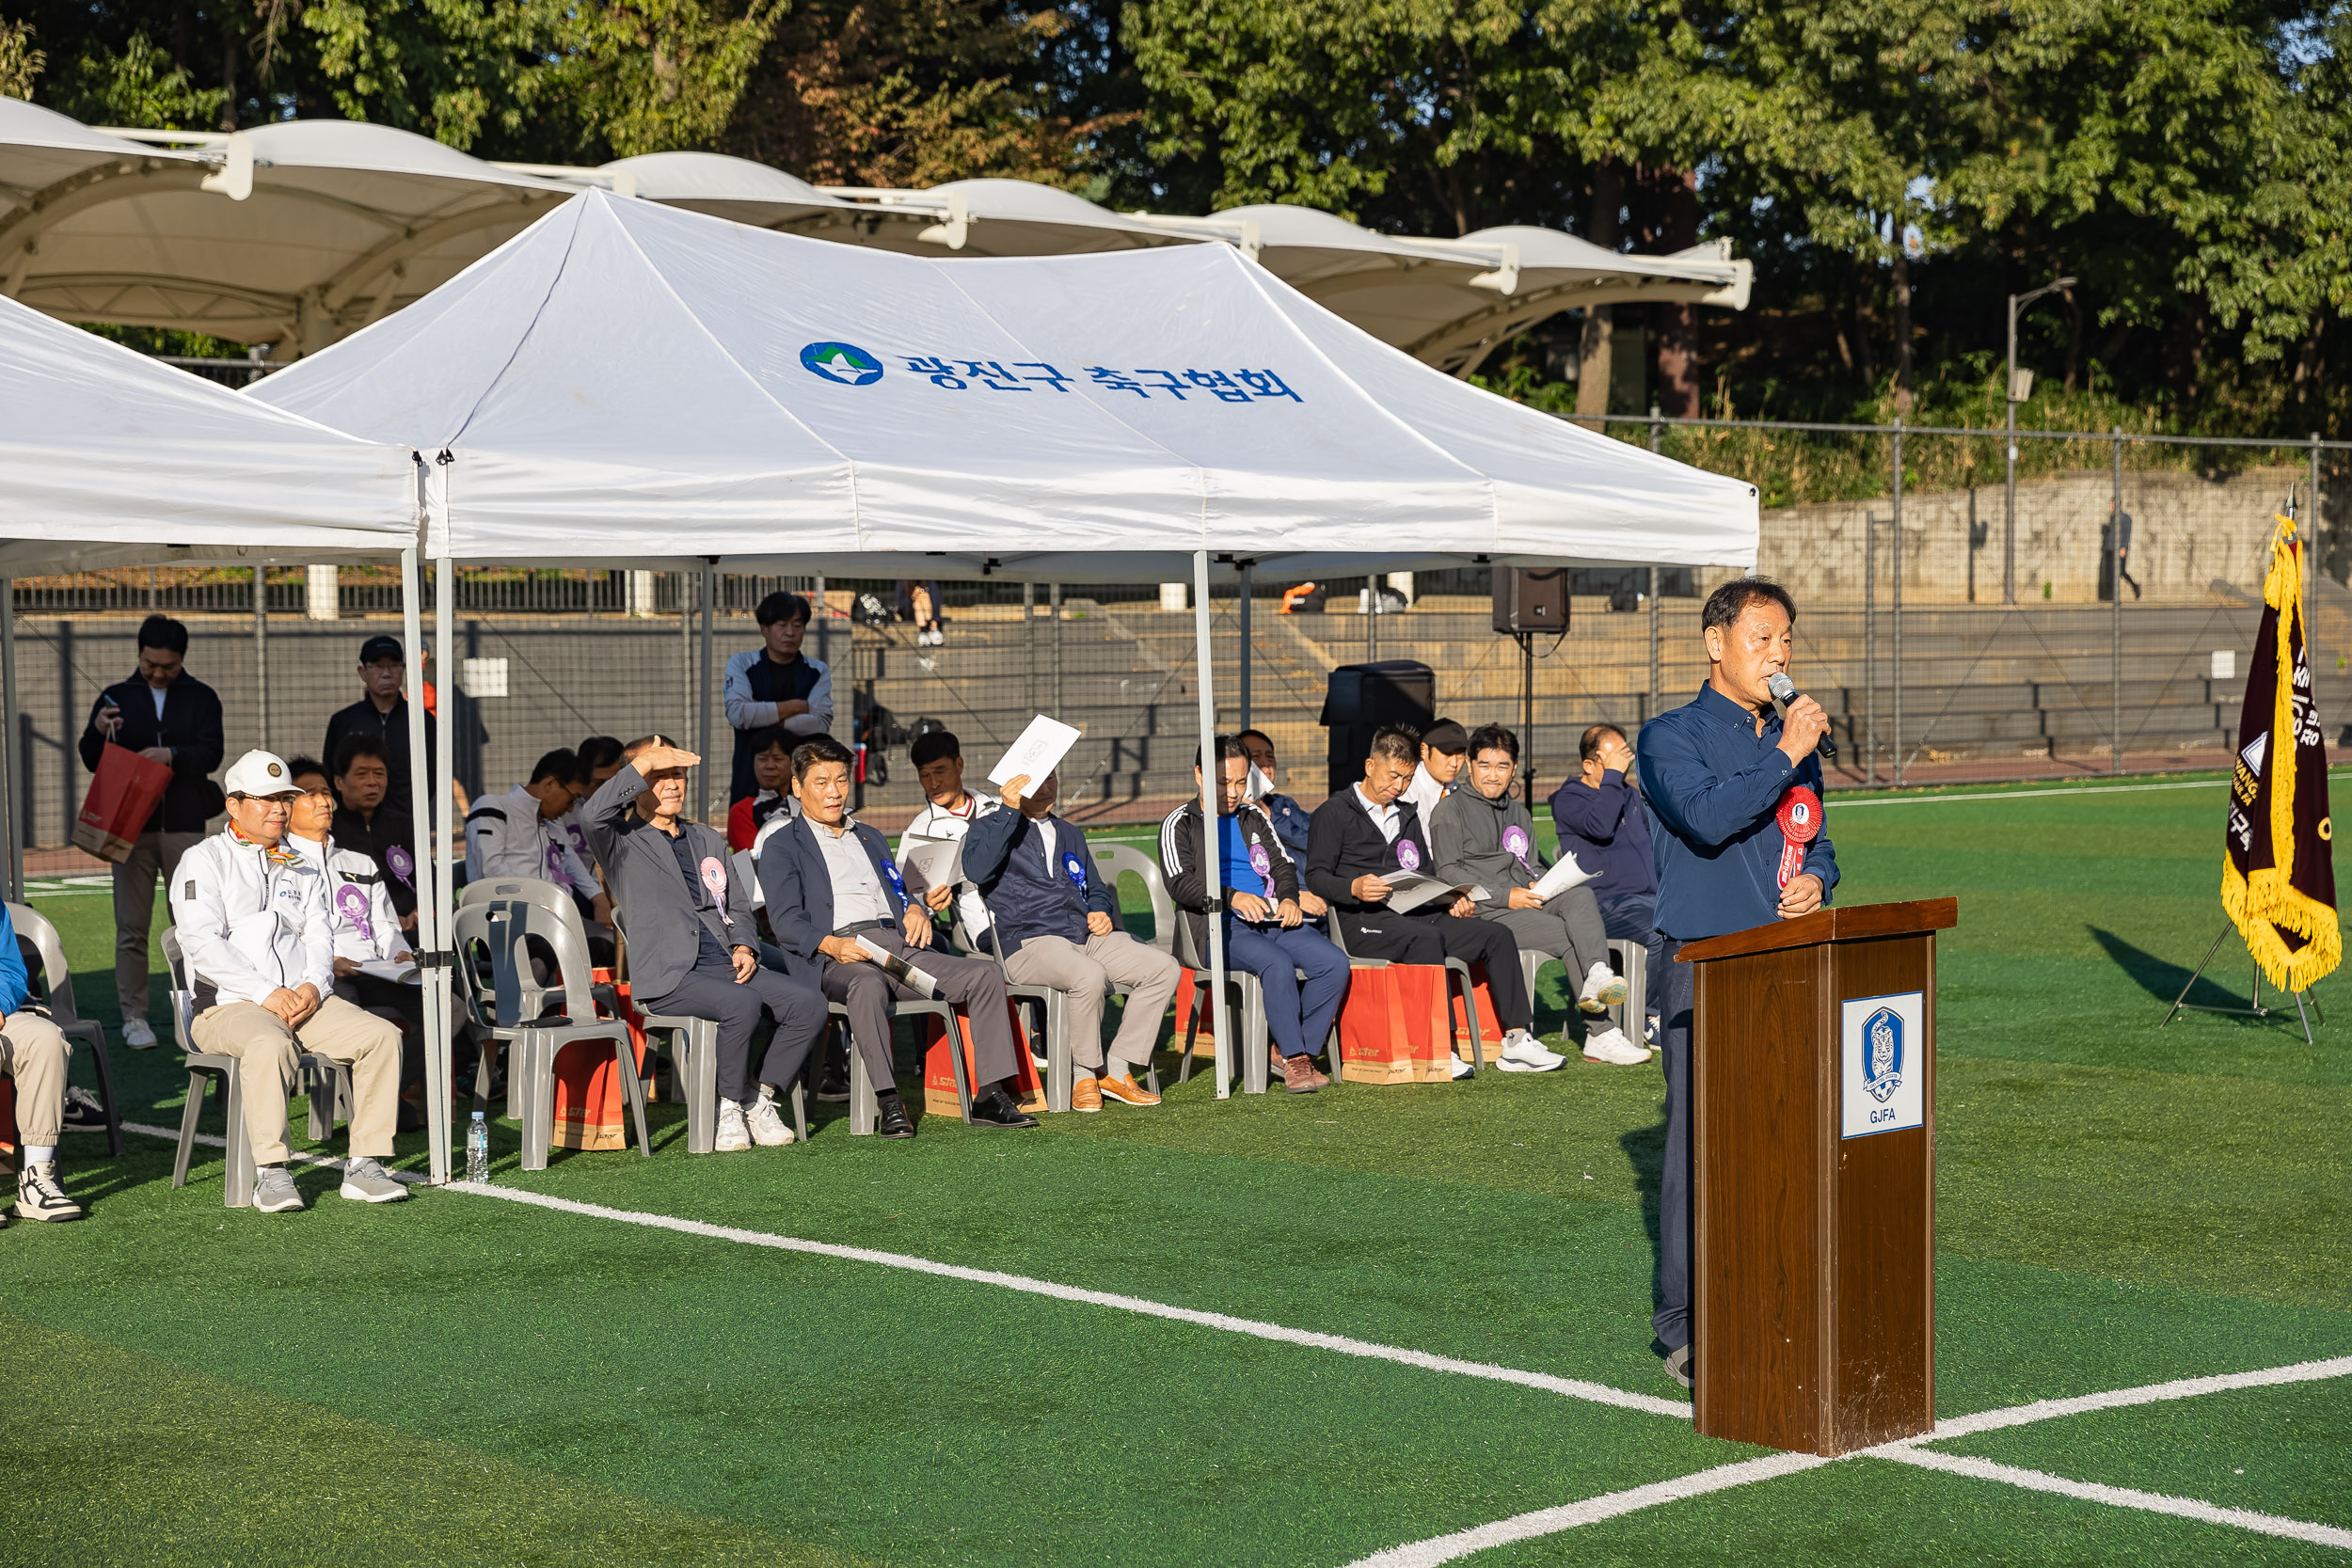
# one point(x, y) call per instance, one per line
point(1297, 1016)
point(1672, 1320)
point(974, 984)
point(1432, 939)
point(709, 991)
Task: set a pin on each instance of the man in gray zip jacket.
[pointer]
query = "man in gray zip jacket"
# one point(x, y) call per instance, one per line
point(1482, 836)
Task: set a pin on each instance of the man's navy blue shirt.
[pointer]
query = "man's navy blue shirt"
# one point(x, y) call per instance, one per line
point(1713, 785)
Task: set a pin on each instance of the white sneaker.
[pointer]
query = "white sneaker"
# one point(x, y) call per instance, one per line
point(138, 1035)
point(766, 1128)
point(734, 1131)
point(1602, 991)
point(1461, 1070)
point(1610, 1046)
point(1523, 1053)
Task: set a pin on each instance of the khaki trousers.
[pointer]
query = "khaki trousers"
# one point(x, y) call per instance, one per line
point(152, 855)
point(267, 1049)
point(34, 1053)
point(1085, 971)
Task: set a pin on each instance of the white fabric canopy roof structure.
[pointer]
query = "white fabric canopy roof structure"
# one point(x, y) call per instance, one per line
point(113, 459)
point(629, 382)
point(293, 233)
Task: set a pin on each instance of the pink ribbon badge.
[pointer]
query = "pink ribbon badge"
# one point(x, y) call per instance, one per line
point(715, 879)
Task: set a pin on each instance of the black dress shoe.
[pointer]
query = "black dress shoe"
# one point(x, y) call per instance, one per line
point(893, 1122)
point(995, 1108)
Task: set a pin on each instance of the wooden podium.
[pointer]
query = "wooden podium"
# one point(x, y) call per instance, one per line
point(1813, 1142)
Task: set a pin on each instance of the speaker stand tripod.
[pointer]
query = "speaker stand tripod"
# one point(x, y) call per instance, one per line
point(2181, 1004)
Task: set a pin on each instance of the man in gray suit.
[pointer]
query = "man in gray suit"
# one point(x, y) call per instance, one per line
point(692, 948)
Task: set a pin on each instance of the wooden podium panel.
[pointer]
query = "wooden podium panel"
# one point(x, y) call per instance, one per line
point(1813, 1262)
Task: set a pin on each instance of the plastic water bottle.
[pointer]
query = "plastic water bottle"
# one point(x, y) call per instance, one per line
point(478, 1150)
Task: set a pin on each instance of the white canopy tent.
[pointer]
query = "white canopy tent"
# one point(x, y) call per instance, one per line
point(114, 459)
point(636, 385)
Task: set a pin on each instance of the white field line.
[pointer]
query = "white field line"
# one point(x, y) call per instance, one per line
point(1843, 804)
point(1567, 1516)
point(2118, 1497)
point(1575, 1389)
point(1551, 1521)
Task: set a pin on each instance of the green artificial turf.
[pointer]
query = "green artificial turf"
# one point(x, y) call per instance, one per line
point(2118, 1205)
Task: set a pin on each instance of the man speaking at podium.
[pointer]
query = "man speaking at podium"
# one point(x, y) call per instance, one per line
point(1735, 790)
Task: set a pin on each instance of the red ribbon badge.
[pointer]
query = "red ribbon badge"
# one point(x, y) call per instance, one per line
point(1800, 820)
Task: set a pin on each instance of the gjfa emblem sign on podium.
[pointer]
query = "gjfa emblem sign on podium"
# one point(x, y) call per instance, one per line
point(1813, 1155)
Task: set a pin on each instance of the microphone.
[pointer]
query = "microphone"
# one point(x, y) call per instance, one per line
point(1784, 691)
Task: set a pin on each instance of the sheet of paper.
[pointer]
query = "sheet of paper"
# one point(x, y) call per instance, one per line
point(1260, 786)
point(898, 968)
point(398, 974)
point(1037, 752)
point(1410, 889)
point(939, 862)
point(1564, 875)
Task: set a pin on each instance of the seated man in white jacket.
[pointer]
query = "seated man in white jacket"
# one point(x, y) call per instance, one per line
point(260, 950)
point(522, 833)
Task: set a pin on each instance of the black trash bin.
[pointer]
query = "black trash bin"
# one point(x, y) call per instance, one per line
point(1361, 698)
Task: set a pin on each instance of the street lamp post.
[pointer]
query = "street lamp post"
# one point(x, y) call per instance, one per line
point(2010, 398)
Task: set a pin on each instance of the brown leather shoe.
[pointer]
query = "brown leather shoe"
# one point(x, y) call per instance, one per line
point(1299, 1075)
point(1084, 1094)
point(1124, 1089)
point(1282, 1066)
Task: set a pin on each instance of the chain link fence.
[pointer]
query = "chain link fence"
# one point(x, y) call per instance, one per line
point(1951, 631)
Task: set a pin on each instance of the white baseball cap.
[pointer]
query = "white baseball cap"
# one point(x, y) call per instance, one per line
point(259, 773)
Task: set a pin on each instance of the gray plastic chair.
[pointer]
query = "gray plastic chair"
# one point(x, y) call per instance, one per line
point(1248, 998)
point(1061, 1071)
point(1629, 959)
point(323, 1082)
point(1459, 981)
point(492, 942)
point(57, 989)
point(864, 1108)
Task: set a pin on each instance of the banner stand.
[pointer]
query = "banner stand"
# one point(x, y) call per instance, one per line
point(2305, 1007)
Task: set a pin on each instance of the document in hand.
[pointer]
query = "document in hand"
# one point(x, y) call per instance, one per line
point(1564, 875)
point(1037, 752)
point(1410, 889)
point(935, 862)
point(898, 968)
point(401, 973)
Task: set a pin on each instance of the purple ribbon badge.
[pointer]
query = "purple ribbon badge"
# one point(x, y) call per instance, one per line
point(1407, 854)
point(1514, 842)
point(351, 901)
point(403, 863)
point(1259, 862)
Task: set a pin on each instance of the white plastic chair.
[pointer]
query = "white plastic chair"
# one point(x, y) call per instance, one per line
point(56, 982)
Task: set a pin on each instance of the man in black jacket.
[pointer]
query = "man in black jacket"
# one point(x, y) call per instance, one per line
point(381, 714)
point(167, 716)
point(831, 890)
point(1266, 934)
point(691, 946)
point(1358, 837)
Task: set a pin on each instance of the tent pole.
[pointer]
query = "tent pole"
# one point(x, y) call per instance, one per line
point(11, 766)
point(702, 704)
point(436, 1002)
point(1247, 567)
point(1211, 774)
point(261, 652)
point(427, 940)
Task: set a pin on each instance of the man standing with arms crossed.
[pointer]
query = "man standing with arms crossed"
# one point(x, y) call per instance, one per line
point(1719, 773)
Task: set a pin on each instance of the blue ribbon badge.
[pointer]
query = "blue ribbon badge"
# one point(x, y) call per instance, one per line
point(1077, 870)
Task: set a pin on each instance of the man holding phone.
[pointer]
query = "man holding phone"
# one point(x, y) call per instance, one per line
point(168, 716)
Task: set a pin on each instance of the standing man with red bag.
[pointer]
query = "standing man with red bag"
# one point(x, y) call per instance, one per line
point(1737, 790)
point(167, 716)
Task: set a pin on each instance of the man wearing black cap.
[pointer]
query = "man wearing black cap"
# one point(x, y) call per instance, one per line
point(381, 714)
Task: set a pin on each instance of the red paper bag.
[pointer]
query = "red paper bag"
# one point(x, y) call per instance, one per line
point(1489, 1029)
point(939, 1072)
point(1204, 1043)
point(123, 793)
point(591, 1112)
point(1394, 1029)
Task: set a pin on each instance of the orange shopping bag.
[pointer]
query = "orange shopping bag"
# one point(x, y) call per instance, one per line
point(1489, 1029)
point(591, 1112)
point(939, 1072)
point(1393, 1028)
point(123, 794)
